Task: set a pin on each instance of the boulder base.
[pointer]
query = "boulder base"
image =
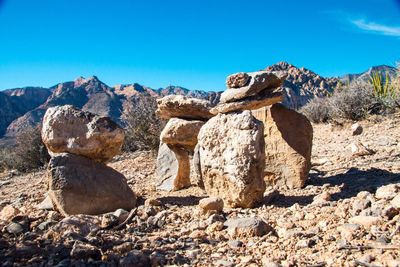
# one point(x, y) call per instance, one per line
point(79, 185)
point(231, 149)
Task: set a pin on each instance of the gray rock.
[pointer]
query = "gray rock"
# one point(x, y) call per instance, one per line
point(224, 263)
point(195, 169)
point(46, 204)
point(121, 214)
point(15, 228)
point(85, 251)
point(79, 185)
point(135, 258)
point(80, 224)
point(356, 129)
point(173, 168)
point(45, 225)
point(109, 220)
point(235, 243)
point(247, 227)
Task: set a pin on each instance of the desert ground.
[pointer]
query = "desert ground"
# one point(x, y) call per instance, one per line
point(338, 219)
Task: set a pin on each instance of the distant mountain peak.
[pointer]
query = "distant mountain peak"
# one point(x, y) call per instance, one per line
point(82, 80)
point(365, 76)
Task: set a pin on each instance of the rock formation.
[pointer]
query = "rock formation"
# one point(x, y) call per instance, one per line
point(288, 143)
point(183, 107)
point(79, 181)
point(234, 154)
point(66, 129)
point(80, 185)
point(181, 132)
point(231, 148)
point(178, 140)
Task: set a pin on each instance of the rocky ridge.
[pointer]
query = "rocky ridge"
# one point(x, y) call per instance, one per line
point(92, 95)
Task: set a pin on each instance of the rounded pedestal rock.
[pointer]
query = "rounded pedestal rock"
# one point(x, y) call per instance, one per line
point(181, 132)
point(231, 148)
point(67, 129)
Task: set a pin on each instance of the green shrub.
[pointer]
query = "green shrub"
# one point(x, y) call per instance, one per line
point(352, 102)
point(382, 86)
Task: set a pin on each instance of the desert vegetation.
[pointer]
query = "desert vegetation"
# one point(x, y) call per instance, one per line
point(356, 100)
point(142, 125)
point(27, 154)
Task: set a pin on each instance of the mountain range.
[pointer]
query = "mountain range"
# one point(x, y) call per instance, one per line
point(24, 107)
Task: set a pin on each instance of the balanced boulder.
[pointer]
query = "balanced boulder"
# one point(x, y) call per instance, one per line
point(80, 185)
point(181, 132)
point(265, 98)
point(177, 106)
point(231, 149)
point(242, 85)
point(67, 129)
point(288, 142)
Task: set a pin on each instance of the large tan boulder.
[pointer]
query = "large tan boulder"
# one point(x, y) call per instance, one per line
point(231, 148)
point(250, 84)
point(265, 98)
point(67, 129)
point(172, 168)
point(181, 132)
point(288, 143)
point(79, 185)
point(178, 106)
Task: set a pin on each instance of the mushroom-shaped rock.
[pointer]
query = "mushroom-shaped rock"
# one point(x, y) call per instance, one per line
point(78, 185)
point(257, 82)
point(288, 142)
point(181, 132)
point(67, 129)
point(231, 148)
point(177, 106)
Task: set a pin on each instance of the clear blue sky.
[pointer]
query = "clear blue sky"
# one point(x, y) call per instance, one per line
point(195, 44)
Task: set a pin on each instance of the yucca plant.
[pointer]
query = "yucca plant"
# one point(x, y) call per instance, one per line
point(382, 86)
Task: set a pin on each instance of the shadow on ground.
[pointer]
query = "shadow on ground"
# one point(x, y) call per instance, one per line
point(180, 201)
point(353, 181)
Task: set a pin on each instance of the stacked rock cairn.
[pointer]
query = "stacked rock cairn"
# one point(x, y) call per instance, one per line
point(233, 150)
point(80, 144)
